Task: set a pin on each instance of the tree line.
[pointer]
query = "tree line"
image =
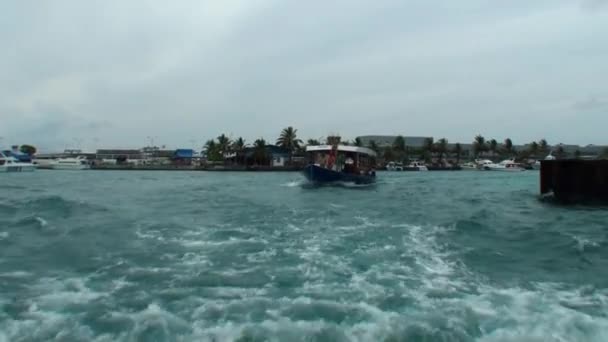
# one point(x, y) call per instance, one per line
point(431, 151)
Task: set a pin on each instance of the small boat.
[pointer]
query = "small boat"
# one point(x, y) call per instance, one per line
point(536, 164)
point(393, 166)
point(12, 164)
point(469, 166)
point(416, 166)
point(78, 163)
point(505, 165)
point(340, 164)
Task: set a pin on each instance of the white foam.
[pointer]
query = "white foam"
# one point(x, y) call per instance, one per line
point(294, 184)
point(43, 223)
point(15, 274)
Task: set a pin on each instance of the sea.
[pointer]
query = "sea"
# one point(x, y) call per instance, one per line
point(203, 256)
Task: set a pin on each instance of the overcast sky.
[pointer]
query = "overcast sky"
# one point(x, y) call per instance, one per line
point(112, 73)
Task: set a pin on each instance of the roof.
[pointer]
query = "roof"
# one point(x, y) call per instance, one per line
point(183, 153)
point(342, 148)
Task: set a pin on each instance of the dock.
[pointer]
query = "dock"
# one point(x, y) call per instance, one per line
point(575, 181)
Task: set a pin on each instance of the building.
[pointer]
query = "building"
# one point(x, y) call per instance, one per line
point(182, 156)
point(273, 155)
point(119, 154)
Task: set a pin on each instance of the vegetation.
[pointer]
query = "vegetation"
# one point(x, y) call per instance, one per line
point(427, 149)
point(493, 146)
point(28, 149)
point(441, 147)
point(533, 149)
point(373, 145)
point(313, 142)
point(333, 140)
point(543, 147)
point(458, 152)
point(238, 147)
point(604, 154)
point(358, 142)
point(508, 147)
point(260, 153)
point(479, 145)
point(289, 141)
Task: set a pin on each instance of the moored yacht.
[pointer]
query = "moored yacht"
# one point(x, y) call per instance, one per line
point(505, 165)
point(416, 166)
point(469, 166)
point(393, 166)
point(12, 164)
point(78, 163)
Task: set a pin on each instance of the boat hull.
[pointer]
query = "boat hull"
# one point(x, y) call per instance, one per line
point(68, 167)
point(318, 175)
point(17, 168)
point(504, 169)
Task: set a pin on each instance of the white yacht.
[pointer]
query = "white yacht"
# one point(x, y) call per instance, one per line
point(484, 164)
point(505, 165)
point(469, 166)
point(417, 166)
point(536, 164)
point(392, 166)
point(78, 163)
point(12, 164)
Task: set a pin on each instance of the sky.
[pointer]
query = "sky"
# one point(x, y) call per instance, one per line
point(114, 73)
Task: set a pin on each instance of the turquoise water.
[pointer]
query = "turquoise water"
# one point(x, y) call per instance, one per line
point(179, 256)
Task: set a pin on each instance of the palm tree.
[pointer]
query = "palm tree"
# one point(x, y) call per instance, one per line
point(577, 154)
point(479, 145)
point(493, 146)
point(441, 148)
point(260, 153)
point(224, 144)
point(508, 147)
point(399, 147)
point(358, 142)
point(238, 146)
point(533, 149)
point(458, 151)
point(289, 141)
point(313, 142)
point(27, 149)
point(428, 148)
point(333, 140)
point(543, 146)
point(212, 151)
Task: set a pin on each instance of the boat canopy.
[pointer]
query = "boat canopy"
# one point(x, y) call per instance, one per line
point(342, 148)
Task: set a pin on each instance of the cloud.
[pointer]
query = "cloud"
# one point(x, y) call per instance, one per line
point(195, 69)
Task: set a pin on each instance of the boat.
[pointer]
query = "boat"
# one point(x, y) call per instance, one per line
point(12, 164)
point(340, 164)
point(393, 166)
point(416, 166)
point(505, 165)
point(536, 165)
point(469, 166)
point(69, 163)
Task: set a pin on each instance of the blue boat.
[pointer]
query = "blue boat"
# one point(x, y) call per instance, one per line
point(340, 164)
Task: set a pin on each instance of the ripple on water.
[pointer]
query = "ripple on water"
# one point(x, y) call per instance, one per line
point(220, 257)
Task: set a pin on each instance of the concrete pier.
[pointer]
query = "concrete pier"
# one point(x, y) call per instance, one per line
point(575, 181)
